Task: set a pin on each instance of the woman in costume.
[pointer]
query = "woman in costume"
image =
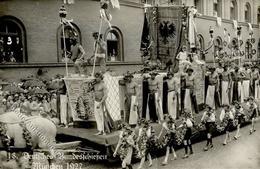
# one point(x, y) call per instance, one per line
point(209, 120)
point(169, 140)
point(226, 119)
point(125, 146)
point(187, 124)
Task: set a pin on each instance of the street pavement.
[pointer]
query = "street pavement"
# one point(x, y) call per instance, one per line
point(243, 153)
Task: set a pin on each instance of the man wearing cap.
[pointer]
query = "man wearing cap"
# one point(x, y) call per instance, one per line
point(77, 55)
point(100, 92)
point(131, 104)
point(172, 99)
point(154, 101)
point(213, 87)
point(100, 49)
point(190, 102)
point(225, 77)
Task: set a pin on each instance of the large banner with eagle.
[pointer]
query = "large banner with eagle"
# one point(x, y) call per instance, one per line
point(164, 24)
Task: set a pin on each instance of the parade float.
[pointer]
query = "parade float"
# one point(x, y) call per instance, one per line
point(166, 29)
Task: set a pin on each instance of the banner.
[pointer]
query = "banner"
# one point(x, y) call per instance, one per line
point(81, 99)
point(165, 24)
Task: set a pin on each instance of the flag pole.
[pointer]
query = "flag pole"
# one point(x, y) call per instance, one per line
point(63, 14)
point(95, 53)
point(65, 50)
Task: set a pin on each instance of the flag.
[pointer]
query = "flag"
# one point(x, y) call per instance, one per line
point(145, 40)
point(115, 4)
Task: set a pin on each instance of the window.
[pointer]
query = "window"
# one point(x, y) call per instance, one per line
point(247, 13)
point(114, 40)
point(12, 40)
point(248, 49)
point(69, 33)
point(217, 46)
point(233, 10)
point(199, 5)
point(200, 46)
point(217, 8)
point(258, 15)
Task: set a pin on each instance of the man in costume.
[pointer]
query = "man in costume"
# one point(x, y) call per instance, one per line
point(237, 94)
point(183, 59)
point(213, 87)
point(255, 82)
point(172, 101)
point(190, 102)
point(100, 92)
point(209, 120)
point(154, 106)
point(131, 103)
point(225, 77)
point(100, 49)
point(247, 75)
point(226, 119)
point(77, 55)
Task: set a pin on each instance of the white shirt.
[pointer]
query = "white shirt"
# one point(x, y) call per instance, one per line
point(222, 115)
point(211, 118)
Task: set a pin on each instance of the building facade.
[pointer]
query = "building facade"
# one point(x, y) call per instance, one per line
point(36, 25)
point(31, 35)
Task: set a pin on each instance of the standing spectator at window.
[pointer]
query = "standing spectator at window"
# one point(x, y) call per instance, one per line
point(8, 50)
point(2, 54)
point(18, 50)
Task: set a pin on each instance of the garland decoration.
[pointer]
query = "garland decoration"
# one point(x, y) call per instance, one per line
point(6, 140)
point(27, 137)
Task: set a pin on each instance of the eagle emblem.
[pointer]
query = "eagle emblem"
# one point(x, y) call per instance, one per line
point(167, 30)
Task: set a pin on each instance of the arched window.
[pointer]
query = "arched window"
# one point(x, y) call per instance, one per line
point(247, 12)
point(201, 46)
point(258, 15)
point(217, 8)
point(114, 40)
point(12, 40)
point(69, 33)
point(217, 46)
point(233, 10)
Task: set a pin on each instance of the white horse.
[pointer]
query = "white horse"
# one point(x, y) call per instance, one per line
point(42, 130)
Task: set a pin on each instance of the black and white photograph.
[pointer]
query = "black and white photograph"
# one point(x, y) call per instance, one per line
point(129, 84)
